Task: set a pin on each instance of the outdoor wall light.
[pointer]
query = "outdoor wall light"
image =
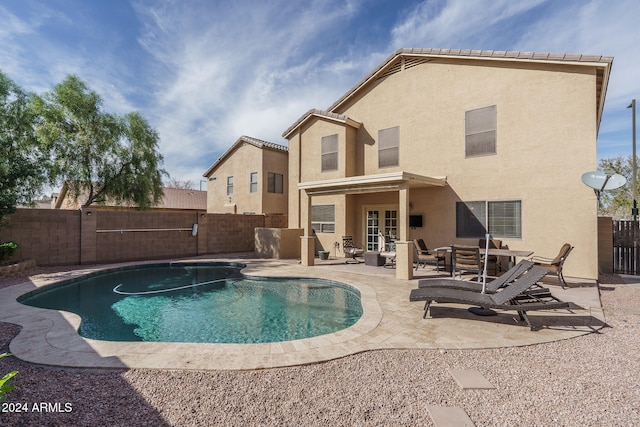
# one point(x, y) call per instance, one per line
point(203, 215)
point(89, 213)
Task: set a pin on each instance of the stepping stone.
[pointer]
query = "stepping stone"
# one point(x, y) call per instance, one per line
point(449, 416)
point(469, 379)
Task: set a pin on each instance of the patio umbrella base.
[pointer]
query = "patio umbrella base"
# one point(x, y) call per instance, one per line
point(481, 311)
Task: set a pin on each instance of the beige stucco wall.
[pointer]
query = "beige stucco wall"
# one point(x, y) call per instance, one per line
point(240, 163)
point(278, 243)
point(276, 162)
point(546, 138)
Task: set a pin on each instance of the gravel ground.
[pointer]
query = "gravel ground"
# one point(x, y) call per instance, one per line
point(587, 381)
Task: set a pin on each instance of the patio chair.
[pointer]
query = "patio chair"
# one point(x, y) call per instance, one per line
point(554, 265)
point(350, 249)
point(387, 251)
point(423, 250)
point(493, 261)
point(467, 259)
point(511, 297)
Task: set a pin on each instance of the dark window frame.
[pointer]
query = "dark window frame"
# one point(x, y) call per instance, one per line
point(500, 218)
point(275, 183)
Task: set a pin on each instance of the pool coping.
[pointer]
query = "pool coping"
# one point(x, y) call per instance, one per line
point(389, 321)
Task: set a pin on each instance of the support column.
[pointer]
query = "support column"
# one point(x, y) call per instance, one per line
point(88, 238)
point(308, 241)
point(203, 233)
point(404, 248)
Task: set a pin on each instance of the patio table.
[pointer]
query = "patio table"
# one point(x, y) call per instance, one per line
point(511, 254)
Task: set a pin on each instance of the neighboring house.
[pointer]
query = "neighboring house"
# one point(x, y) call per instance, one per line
point(457, 141)
point(250, 178)
point(174, 199)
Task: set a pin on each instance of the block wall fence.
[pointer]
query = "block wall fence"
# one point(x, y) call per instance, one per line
point(96, 236)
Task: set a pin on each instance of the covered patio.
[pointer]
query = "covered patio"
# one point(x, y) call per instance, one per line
point(401, 182)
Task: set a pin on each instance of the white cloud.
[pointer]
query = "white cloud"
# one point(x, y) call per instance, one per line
point(456, 24)
point(242, 70)
point(207, 72)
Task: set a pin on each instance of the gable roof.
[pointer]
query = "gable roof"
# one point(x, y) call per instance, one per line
point(410, 57)
point(321, 114)
point(245, 140)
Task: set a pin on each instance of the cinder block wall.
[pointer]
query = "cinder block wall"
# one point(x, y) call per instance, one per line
point(276, 221)
point(51, 237)
point(232, 233)
point(94, 236)
point(171, 235)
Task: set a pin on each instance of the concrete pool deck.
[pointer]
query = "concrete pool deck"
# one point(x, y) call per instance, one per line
point(389, 321)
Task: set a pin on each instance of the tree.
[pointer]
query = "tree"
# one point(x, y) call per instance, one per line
point(180, 185)
point(100, 156)
point(618, 203)
point(23, 162)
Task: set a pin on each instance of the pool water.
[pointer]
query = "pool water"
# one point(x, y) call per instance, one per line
point(210, 303)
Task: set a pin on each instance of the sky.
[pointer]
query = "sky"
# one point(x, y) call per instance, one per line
point(205, 72)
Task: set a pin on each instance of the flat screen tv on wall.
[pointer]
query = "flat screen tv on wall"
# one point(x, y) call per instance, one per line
point(415, 221)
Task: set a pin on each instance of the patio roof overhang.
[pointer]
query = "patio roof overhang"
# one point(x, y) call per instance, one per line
point(391, 181)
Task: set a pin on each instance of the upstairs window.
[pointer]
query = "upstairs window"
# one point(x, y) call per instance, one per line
point(275, 183)
point(480, 131)
point(253, 182)
point(329, 153)
point(389, 147)
point(229, 185)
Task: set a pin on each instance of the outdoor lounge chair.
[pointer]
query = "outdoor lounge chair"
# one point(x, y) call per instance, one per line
point(554, 265)
point(465, 258)
point(511, 297)
point(349, 249)
point(423, 254)
point(491, 287)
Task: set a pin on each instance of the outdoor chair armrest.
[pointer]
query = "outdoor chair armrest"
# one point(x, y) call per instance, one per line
point(540, 259)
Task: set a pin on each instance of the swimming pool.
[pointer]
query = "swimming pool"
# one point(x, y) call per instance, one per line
point(200, 303)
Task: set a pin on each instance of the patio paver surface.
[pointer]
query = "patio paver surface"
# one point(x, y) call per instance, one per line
point(389, 321)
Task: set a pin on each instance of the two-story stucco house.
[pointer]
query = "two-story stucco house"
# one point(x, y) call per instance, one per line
point(460, 142)
point(250, 177)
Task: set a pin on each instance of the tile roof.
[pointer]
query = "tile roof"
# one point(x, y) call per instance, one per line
point(178, 198)
point(174, 198)
point(248, 140)
point(320, 113)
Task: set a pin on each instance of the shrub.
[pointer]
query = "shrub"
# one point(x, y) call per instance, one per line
point(6, 383)
point(7, 249)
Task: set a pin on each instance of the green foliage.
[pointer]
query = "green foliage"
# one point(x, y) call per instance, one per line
point(100, 156)
point(618, 203)
point(6, 382)
point(23, 161)
point(7, 249)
